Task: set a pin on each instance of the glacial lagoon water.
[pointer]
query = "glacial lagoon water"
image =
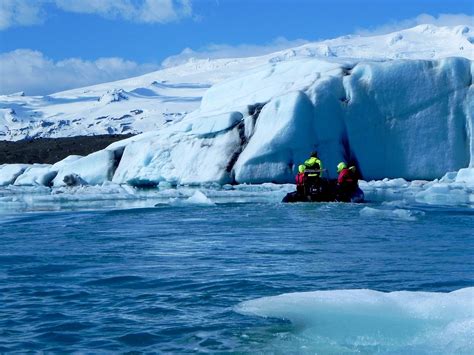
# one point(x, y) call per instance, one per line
point(184, 277)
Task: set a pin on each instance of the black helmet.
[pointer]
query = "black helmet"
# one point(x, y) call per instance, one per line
point(314, 154)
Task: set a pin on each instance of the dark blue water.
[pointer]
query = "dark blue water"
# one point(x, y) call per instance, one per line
point(168, 278)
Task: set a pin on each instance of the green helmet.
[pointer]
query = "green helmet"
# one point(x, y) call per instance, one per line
point(301, 168)
point(341, 166)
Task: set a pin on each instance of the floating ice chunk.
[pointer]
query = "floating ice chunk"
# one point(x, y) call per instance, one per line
point(94, 169)
point(37, 174)
point(43, 174)
point(396, 182)
point(451, 190)
point(466, 176)
point(200, 199)
point(178, 158)
point(363, 320)
point(197, 198)
point(443, 194)
point(10, 172)
point(400, 214)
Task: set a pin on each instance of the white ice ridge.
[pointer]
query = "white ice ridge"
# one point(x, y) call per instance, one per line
point(366, 320)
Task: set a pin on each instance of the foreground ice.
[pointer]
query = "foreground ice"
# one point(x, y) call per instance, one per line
point(453, 189)
point(354, 321)
point(394, 199)
point(111, 196)
point(397, 213)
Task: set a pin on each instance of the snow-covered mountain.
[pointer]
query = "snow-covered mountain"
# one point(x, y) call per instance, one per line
point(153, 101)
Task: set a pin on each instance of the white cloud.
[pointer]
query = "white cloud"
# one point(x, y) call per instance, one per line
point(20, 13)
point(30, 71)
point(423, 19)
point(145, 11)
point(216, 51)
point(32, 12)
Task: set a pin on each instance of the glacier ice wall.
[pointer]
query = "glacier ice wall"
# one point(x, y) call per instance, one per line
point(400, 118)
point(410, 119)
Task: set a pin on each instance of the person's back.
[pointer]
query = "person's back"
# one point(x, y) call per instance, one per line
point(346, 180)
point(313, 167)
point(313, 163)
point(300, 180)
point(345, 177)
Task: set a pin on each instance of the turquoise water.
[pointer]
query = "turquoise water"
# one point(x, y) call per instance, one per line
point(172, 278)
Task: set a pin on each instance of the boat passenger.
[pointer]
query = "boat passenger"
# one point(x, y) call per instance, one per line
point(300, 179)
point(313, 163)
point(346, 180)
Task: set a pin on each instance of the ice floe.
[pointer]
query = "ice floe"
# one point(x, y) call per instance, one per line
point(366, 321)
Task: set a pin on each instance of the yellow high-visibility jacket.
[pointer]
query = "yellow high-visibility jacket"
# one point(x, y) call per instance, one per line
point(312, 163)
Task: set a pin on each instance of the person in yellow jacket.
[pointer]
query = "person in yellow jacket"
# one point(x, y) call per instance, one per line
point(313, 163)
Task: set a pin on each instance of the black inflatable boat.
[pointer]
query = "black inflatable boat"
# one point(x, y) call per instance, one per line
point(316, 189)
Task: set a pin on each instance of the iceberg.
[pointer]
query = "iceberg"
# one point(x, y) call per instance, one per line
point(37, 174)
point(389, 118)
point(346, 321)
point(94, 169)
point(10, 172)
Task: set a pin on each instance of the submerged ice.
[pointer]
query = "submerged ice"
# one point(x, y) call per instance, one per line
point(346, 321)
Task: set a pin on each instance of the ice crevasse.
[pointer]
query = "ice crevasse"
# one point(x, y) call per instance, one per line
point(410, 119)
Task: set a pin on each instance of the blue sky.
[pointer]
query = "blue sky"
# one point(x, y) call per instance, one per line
point(136, 36)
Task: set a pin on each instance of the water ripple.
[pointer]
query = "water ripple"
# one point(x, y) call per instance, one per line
point(167, 279)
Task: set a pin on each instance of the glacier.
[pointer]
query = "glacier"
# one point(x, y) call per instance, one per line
point(394, 117)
